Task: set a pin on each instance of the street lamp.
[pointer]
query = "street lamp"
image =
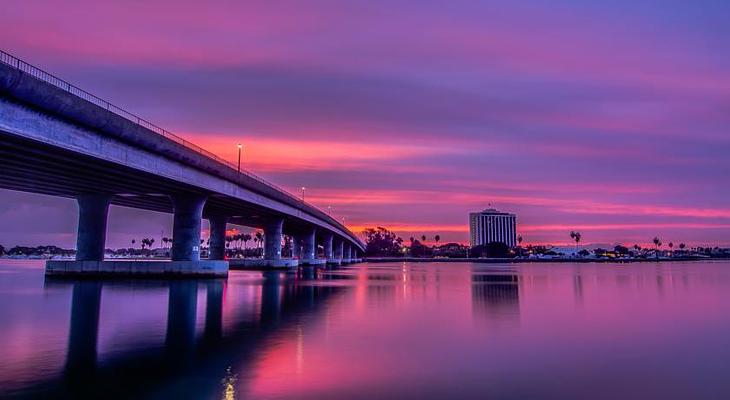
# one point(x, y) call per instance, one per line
point(303, 189)
point(240, 146)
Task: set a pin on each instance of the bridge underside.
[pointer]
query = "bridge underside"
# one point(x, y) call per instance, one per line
point(36, 167)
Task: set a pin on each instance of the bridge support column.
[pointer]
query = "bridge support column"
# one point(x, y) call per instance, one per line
point(273, 235)
point(93, 211)
point(91, 236)
point(186, 226)
point(328, 238)
point(296, 249)
point(309, 247)
point(347, 255)
point(272, 239)
point(217, 245)
point(338, 250)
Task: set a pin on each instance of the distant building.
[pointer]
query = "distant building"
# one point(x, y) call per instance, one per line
point(491, 225)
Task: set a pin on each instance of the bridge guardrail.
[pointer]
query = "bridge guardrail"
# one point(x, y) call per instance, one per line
point(76, 91)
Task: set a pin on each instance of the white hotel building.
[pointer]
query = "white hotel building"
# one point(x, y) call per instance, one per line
point(491, 225)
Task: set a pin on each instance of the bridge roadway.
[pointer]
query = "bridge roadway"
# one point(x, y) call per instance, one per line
point(56, 139)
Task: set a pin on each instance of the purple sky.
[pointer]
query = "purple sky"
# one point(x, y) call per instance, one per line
point(611, 118)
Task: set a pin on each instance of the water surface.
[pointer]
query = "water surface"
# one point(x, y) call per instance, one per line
point(537, 331)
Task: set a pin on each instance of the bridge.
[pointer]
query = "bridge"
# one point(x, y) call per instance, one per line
point(59, 140)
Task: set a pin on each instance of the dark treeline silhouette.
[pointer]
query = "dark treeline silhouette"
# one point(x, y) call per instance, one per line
point(381, 242)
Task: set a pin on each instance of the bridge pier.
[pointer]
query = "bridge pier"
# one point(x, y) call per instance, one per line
point(309, 249)
point(329, 254)
point(296, 248)
point(338, 250)
point(91, 234)
point(273, 235)
point(346, 254)
point(217, 244)
point(186, 226)
point(93, 211)
point(272, 239)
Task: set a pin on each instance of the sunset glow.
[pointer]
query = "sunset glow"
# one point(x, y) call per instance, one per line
point(608, 118)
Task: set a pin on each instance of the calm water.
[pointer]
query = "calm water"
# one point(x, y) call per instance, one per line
point(398, 331)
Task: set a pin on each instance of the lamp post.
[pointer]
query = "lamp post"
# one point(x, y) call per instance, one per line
point(240, 146)
point(329, 210)
point(303, 189)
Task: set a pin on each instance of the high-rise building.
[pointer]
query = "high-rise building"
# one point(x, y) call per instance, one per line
point(490, 226)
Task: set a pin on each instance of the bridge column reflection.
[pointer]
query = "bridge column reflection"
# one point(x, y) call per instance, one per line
point(84, 329)
point(213, 310)
point(271, 296)
point(181, 316)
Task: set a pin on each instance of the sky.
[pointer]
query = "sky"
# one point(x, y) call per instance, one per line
point(611, 118)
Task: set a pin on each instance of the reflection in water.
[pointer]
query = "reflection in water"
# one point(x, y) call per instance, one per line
point(184, 364)
point(495, 297)
point(213, 310)
point(389, 330)
point(181, 314)
point(229, 385)
point(83, 334)
point(578, 287)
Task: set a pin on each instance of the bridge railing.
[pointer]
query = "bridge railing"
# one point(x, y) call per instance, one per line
point(64, 85)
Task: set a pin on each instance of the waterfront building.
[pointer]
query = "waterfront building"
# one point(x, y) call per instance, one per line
point(490, 226)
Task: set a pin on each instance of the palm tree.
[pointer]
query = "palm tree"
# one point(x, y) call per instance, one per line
point(437, 238)
point(682, 246)
point(575, 235)
point(423, 238)
point(246, 237)
point(259, 237)
point(671, 247)
point(519, 240)
point(657, 245)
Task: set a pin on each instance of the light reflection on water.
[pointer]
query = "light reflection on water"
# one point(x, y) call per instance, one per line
point(394, 330)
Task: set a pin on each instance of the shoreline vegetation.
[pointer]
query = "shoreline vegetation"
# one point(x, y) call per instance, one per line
point(383, 245)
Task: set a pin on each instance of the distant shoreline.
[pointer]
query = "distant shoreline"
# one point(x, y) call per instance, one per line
point(537, 260)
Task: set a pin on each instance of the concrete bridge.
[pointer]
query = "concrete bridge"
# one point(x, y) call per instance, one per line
point(57, 139)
